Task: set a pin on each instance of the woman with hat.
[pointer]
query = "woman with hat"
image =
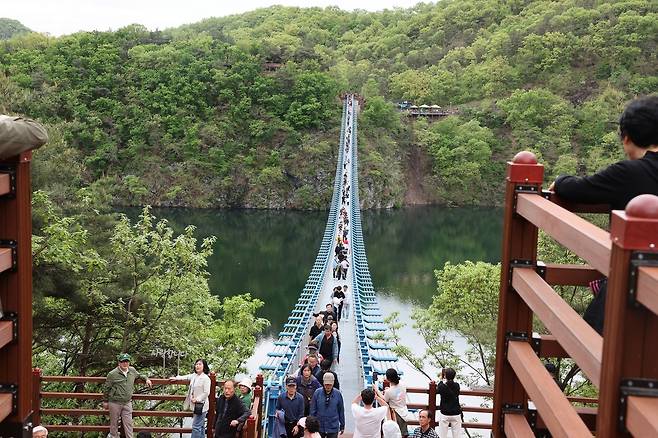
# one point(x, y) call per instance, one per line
point(245, 391)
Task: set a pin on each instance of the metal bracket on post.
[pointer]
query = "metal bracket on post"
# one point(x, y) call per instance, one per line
point(639, 387)
point(11, 171)
point(532, 419)
point(10, 388)
point(515, 336)
point(13, 245)
point(511, 408)
point(13, 317)
point(525, 188)
point(638, 259)
point(519, 263)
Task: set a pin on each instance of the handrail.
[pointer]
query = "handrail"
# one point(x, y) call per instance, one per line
point(553, 405)
point(39, 411)
point(583, 238)
point(647, 288)
point(628, 256)
point(572, 332)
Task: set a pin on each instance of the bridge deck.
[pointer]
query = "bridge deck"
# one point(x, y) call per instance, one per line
point(359, 354)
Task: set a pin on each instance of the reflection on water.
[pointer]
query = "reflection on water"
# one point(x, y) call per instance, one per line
point(270, 253)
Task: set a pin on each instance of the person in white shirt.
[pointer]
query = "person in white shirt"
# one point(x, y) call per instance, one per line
point(396, 396)
point(197, 396)
point(368, 420)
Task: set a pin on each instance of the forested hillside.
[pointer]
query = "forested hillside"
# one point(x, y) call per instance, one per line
point(10, 28)
point(243, 110)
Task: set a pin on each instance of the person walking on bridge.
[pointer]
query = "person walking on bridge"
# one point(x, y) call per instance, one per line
point(327, 405)
point(307, 384)
point(292, 404)
point(368, 420)
point(328, 344)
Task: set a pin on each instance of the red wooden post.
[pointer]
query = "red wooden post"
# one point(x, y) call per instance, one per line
point(629, 333)
point(36, 396)
point(16, 293)
point(519, 243)
point(212, 405)
point(249, 430)
point(258, 392)
point(431, 403)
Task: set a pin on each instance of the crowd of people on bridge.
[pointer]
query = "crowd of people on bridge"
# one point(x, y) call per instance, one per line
point(315, 398)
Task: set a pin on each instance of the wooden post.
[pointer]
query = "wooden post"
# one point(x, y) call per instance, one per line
point(629, 333)
point(36, 396)
point(431, 403)
point(519, 243)
point(249, 430)
point(212, 405)
point(258, 391)
point(16, 294)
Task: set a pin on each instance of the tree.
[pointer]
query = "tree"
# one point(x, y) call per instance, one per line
point(124, 297)
point(466, 303)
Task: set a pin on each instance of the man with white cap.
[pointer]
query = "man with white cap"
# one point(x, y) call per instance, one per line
point(327, 406)
point(39, 432)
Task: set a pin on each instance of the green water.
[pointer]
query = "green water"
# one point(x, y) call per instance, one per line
point(270, 253)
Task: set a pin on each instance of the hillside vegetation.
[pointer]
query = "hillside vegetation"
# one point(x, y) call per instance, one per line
point(190, 116)
point(10, 28)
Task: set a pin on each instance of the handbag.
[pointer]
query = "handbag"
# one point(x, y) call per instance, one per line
point(198, 408)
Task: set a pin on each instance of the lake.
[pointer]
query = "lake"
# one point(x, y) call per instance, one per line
point(269, 253)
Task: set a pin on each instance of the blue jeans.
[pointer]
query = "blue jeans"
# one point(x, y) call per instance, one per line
point(197, 425)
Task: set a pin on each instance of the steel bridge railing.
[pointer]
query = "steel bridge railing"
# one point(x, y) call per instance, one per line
point(376, 355)
point(281, 360)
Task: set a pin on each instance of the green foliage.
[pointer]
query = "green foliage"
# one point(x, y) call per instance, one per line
point(194, 114)
point(461, 152)
point(9, 28)
point(125, 295)
point(466, 303)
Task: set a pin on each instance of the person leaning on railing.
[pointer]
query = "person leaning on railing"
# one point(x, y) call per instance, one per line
point(18, 134)
point(197, 395)
point(118, 393)
point(617, 184)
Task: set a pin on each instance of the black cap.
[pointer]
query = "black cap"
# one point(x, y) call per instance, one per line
point(291, 381)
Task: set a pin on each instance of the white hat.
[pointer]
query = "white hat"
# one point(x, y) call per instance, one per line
point(245, 382)
point(40, 429)
point(390, 429)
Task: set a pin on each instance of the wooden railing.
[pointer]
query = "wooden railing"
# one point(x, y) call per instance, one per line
point(432, 404)
point(250, 430)
point(15, 295)
point(623, 363)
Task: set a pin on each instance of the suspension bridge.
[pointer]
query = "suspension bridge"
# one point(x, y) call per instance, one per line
point(361, 352)
point(621, 364)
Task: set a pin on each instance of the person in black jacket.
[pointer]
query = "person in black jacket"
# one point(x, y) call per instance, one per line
point(617, 184)
point(449, 407)
point(230, 412)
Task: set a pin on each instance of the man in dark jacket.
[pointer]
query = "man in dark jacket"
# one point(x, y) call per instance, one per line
point(292, 404)
point(230, 412)
point(617, 184)
point(327, 406)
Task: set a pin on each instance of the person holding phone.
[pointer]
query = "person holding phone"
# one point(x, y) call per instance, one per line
point(450, 411)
